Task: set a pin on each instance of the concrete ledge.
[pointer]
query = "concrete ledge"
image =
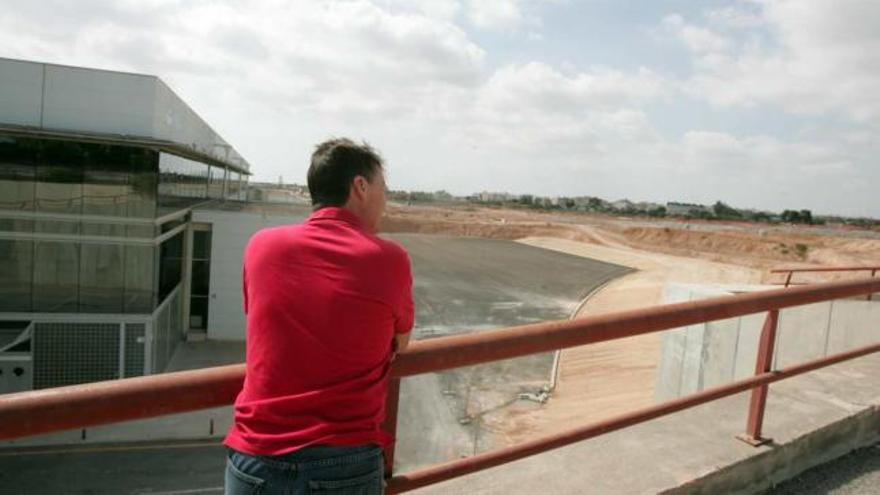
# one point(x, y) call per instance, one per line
point(780, 463)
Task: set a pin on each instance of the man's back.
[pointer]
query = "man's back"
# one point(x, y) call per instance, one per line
point(323, 302)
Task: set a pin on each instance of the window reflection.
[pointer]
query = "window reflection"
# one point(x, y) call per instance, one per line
point(16, 272)
point(215, 183)
point(17, 180)
point(138, 273)
point(171, 265)
point(72, 179)
point(59, 189)
point(56, 277)
point(181, 178)
point(101, 279)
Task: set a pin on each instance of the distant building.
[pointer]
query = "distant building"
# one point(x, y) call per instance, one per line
point(623, 204)
point(269, 193)
point(117, 239)
point(492, 197)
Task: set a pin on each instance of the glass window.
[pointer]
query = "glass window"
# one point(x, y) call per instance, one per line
point(72, 179)
point(105, 191)
point(142, 184)
point(171, 265)
point(202, 244)
point(139, 263)
point(17, 174)
point(201, 276)
point(16, 272)
point(181, 178)
point(59, 185)
point(215, 183)
point(242, 191)
point(101, 279)
point(198, 312)
point(233, 185)
point(56, 277)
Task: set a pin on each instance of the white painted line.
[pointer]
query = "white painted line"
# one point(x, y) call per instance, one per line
point(115, 448)
point(218, 489)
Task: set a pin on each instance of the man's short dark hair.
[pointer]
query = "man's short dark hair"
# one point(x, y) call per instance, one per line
point(335, 164)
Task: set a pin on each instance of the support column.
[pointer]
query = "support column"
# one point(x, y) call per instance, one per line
point(187, 276)
point(763, 365)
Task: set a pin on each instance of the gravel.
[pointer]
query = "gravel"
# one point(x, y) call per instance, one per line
point(857, 472)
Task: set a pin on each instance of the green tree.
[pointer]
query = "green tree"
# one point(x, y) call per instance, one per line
point(722, 210)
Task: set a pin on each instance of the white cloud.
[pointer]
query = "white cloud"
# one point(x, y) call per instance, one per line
point(808, 57)
point(333, 56)
point(445, 10)
point(699, 40)
point(495, 14)
point(274, 77)
point(536, 107)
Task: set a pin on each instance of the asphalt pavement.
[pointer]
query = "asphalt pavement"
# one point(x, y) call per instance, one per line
point(172, 468)
point(467, 285)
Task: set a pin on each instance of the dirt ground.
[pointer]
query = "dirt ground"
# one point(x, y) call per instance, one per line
point(761, 246)
point(610, 378)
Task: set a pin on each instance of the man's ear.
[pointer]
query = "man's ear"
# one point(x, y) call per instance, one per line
point(359, 186)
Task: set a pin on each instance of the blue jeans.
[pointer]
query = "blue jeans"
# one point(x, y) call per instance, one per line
point(320, 470)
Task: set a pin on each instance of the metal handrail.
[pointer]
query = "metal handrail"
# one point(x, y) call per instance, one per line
point(827, 269)
point(43, 411)
point(824, 269)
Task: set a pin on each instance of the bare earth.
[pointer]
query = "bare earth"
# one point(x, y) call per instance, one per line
point(606, 379)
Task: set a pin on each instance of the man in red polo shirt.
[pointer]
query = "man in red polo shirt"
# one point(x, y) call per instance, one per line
point(327, 304)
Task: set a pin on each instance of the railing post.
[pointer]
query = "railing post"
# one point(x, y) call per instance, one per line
point(390, 424)
point(759, 394)
point(788, 278)
point(873, 274)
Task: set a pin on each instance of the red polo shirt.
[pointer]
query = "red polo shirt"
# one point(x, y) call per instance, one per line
point(323, 301)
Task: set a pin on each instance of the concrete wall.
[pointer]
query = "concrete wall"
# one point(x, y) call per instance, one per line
point(710, 354)
point(78, 99)
point(230, 234)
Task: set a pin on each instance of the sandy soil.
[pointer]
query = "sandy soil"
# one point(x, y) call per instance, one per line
point(614, 377)
point(754, 245)
point(610, 378)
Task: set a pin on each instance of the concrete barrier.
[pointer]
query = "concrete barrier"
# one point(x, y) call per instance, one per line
point(709, 354)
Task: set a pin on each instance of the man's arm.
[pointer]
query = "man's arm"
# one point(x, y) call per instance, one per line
point(405, 311)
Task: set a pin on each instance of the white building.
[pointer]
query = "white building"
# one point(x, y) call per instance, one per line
point(122, 224)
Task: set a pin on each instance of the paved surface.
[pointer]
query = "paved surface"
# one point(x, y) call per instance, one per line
point(467, 285)
point(461, 285)
point(171, 468)
point(855, 473)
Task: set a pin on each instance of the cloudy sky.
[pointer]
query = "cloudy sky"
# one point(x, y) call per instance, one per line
point(762, 104)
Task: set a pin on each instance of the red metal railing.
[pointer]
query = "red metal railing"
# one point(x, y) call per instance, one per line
point(42, 411)
point(825, 269)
